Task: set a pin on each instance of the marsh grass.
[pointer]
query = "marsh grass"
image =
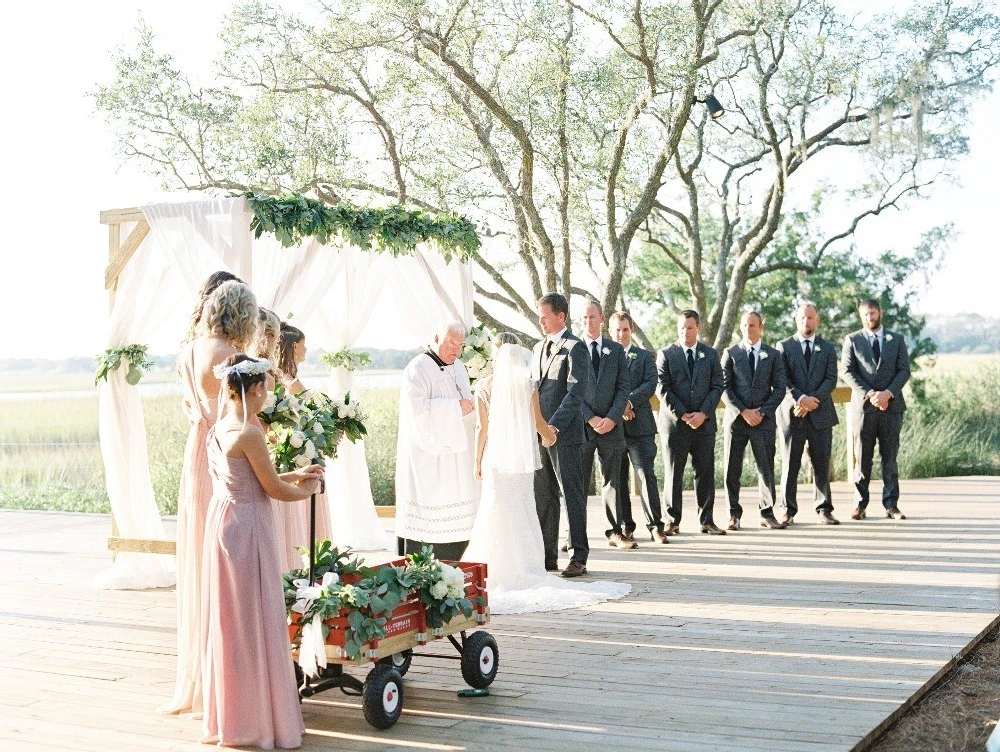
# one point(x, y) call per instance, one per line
point(50, 454)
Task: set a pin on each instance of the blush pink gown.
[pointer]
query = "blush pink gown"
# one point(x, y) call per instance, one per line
point(192, 508)
point(250, 697)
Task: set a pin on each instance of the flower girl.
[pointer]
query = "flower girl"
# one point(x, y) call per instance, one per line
point(250, 697)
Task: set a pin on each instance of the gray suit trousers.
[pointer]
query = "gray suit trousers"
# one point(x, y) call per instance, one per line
point(820, 445)
point(761, 440)
point(562, 468)
point(883, 428)
point(610, 449)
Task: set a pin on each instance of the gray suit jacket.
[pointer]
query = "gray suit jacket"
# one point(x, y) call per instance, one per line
point(565, 386)
point(641, 387)
point(611, 387)
point(680, 393)
point(766, 390)
point(818, 380)
point(863, 374)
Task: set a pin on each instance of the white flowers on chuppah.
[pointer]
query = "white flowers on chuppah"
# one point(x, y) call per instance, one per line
point(476, 353)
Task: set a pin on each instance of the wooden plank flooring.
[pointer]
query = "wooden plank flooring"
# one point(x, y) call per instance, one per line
point(803, 639)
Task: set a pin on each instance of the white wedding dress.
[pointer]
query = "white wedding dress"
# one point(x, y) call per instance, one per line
point(506, 534)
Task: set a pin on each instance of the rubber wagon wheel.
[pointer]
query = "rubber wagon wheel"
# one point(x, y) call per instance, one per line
point(399, 661)
point(382, 699)
point(480, 660)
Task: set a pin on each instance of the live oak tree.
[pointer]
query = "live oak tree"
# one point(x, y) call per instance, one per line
point(569, 129)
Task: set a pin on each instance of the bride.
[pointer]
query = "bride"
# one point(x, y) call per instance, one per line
point(506, 534)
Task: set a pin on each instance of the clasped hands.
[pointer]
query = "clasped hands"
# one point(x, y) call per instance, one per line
point(805, 406)
point(694, 420)
point(752, 416)
point(466, 405)
point(601, 425)
point(880, 399)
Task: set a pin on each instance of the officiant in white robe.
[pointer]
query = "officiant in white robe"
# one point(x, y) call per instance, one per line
point(436, 494)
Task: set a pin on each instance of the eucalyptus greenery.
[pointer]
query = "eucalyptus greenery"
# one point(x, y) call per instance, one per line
point(347, 359)
point(136, 356)
point(293, 217)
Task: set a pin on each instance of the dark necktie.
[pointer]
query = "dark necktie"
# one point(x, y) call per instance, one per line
point(753, 363)
point(595, 357)
point(877, 349)
point(809, 353)
point(691, 363)
point(548, 349)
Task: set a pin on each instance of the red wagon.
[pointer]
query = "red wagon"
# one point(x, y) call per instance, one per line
point(382, 690)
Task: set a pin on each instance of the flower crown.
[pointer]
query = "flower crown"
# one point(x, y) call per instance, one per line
point(244, 368)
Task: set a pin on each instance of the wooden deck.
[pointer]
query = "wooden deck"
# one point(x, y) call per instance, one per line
point(803, 639)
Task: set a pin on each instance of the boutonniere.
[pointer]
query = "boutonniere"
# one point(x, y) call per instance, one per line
point(763, 355)
point(701, 356)
point(816, 348)
point(888, 338)
point(632, 356)
point(606, 351)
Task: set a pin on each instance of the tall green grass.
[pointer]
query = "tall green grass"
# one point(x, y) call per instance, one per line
point(50, 457)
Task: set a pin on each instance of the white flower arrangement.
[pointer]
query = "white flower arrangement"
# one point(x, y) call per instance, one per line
point(632, 355)
point(476, 353)
point(701, 356)
point(606, 351)
point(888, 338)
point(815, 348)
point(245, 367)
point(763, 355)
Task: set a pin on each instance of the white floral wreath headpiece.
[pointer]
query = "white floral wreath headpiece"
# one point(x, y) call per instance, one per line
point(244, 367)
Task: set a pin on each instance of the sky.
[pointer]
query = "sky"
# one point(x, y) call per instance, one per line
point(60, 170)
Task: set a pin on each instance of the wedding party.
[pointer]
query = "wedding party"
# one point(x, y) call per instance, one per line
point(522, 377)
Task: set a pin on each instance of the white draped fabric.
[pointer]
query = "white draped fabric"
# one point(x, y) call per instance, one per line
point(331, 291)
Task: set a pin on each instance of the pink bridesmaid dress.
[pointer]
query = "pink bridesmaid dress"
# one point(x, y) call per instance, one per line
point(192, 509)
point(250, 696)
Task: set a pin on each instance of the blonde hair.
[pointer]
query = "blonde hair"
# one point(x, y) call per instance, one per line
point(211, 285)
point(265, 343)
point(231, 313)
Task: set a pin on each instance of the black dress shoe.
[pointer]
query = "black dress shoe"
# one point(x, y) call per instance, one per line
point(894, 514)
point(552, 566)
point(825, 518)
point(575, 569)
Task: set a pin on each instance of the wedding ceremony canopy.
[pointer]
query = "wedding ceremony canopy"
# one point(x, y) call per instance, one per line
point(331, 288)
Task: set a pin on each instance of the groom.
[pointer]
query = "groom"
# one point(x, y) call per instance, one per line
point(565, 394)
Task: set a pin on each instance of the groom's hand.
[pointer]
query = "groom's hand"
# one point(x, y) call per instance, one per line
point(466, 406)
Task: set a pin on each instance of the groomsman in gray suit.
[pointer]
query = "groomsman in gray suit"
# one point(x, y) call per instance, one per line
point(876, 365)
point(807, 416)
point(754, 386)
point(604, 431)
point(640, 426)
point(565, 395)
point(689, 383)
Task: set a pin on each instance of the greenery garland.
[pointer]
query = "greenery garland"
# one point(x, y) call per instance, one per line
point(293, 217)
point(347, 359)
point(135, 355)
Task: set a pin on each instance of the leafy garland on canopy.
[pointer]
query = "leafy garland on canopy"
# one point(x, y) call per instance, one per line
point(294, 217)
point(136, 356)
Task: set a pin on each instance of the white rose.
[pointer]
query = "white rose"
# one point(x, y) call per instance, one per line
point(763, 355)
point(270, 401)
point(348, 411)
point(297, 440)
point(310, 450)
point(439, 589)
point(317, 427)
point(606, 351)
point(302, 461)
point(330, 578)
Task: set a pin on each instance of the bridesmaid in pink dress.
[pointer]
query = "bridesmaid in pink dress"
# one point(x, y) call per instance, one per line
point(250, 694)
point(294, 522)
point(224, 322)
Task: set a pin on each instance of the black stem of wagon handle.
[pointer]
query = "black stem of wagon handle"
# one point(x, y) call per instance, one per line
point(312, 533)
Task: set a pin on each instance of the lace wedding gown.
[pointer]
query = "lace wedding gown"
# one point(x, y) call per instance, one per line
point(506, 534)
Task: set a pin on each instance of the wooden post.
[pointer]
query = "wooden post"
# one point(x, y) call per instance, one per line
point(114, 243)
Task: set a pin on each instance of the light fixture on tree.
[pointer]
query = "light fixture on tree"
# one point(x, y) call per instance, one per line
point(715, 108)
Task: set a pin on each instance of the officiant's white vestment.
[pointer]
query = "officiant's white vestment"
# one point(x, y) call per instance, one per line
point(435, 488)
